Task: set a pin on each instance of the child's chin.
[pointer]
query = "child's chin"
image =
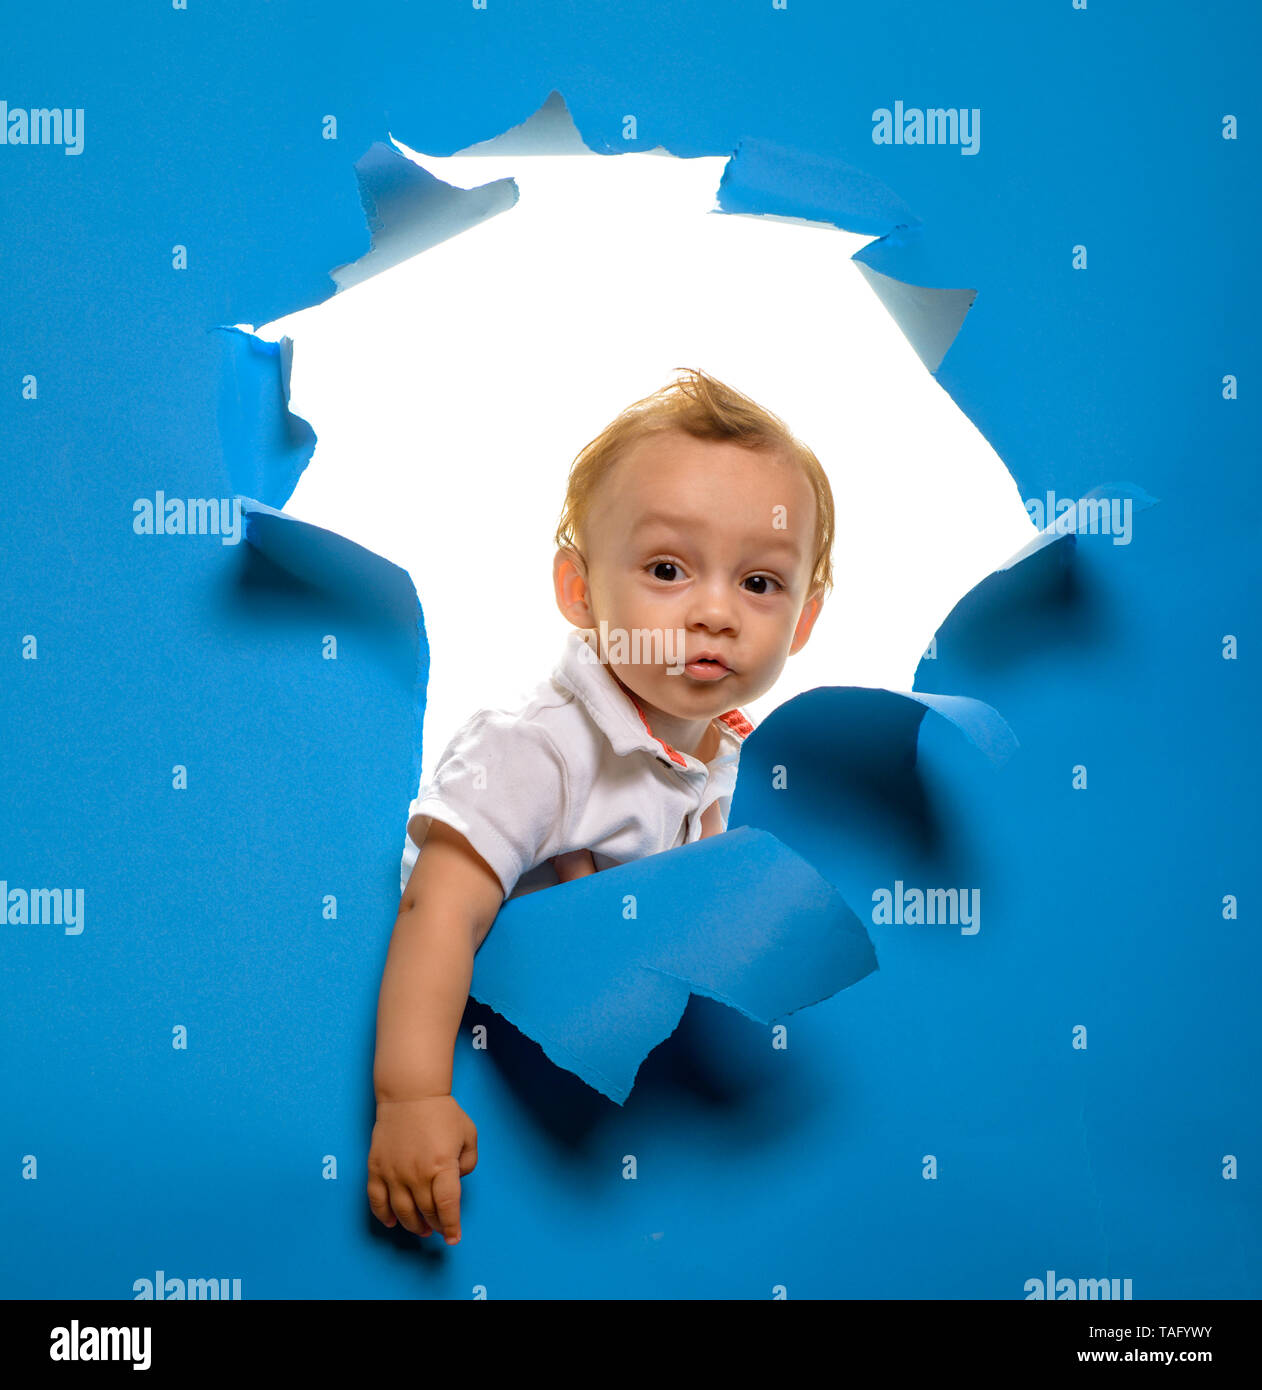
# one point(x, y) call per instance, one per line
point(673, 691)
point(689, 697)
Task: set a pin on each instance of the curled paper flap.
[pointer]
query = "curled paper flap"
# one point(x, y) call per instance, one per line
point(929, 318)
point(409, 210)
point(768, 179)
point(379, 596)
point(550, 130)
point(265, 445)
point(984, 727)
point(598, 970)
point(765, 178)
point(1021, 607)
point(834, 773)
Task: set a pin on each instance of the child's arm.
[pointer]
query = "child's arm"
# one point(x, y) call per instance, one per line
point(423, 1142)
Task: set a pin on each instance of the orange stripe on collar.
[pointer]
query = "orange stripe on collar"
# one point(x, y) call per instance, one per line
point(733, 719)
point(674, 756)
point(737, 722)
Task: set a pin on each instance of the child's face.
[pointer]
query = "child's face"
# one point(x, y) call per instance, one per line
point(704, 536)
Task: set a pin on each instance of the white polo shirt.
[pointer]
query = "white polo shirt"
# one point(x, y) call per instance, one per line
point(575, 767)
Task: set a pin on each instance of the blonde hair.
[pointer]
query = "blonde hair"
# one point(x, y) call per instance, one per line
point(705, 408)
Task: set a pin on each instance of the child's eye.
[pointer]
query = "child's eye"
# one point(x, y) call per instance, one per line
point(665, 569)
point(765, 583)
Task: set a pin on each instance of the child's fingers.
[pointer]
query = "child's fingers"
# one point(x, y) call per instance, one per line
point(405, 1209)
point(379, 1201)
point(446, 1189)
point(422, 1191)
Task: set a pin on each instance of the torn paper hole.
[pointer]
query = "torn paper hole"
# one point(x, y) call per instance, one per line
point(450, 390)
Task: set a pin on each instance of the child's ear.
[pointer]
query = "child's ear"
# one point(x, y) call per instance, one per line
point(569, 581)
point(810, 611)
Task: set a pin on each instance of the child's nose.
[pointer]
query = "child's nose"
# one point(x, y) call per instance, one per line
point(712, 606)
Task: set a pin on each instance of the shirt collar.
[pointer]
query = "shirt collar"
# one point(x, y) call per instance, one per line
point(619, 717)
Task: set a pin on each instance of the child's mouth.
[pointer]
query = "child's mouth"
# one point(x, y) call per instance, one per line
point(706, 668)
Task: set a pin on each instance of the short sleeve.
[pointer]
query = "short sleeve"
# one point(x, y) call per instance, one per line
point(501, 783)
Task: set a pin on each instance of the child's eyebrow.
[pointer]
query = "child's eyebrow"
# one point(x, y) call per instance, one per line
point(778, 540)
point(781, 541)
point(679, 523)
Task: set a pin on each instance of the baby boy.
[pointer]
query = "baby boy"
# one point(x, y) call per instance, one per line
point(694, 556)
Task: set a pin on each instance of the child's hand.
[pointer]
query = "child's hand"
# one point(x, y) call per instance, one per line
point(420, 1151)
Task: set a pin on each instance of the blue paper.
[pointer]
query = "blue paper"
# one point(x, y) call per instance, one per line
point(598, 970)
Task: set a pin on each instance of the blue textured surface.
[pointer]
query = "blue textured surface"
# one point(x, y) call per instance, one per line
point(207, 907)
